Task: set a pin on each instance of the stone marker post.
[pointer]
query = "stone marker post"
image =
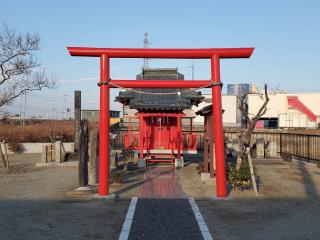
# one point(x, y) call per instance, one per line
point(77, 120)
point(260, 148)
point(92, 163)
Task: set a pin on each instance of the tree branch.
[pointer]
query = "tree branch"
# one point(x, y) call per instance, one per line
point(18, 65)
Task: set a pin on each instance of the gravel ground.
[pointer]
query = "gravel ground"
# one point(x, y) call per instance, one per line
point(34, 205)
point(262, 218)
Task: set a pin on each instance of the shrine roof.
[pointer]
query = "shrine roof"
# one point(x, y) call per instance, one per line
point(153, 99)
point(205, 111)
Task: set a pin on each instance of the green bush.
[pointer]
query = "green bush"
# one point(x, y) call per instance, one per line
point(239, 179)
point(117, 177)
point(127, 154)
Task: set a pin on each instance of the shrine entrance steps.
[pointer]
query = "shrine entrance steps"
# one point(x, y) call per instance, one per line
point(160, 158)
point(162, 210)
point(163, 156)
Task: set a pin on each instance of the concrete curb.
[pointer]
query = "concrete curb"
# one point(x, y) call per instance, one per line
point(97, 196)
point(55, 164)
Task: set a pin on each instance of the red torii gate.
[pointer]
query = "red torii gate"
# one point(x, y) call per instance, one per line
point(214, 54)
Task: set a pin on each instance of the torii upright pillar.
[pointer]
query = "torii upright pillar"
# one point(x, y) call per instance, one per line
point(218, 128)
point(104, 126)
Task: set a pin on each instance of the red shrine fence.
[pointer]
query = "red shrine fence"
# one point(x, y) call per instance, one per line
point(304, 146)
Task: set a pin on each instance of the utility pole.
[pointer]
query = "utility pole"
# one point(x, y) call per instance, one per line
point(24, 109)
point(146, 45)
point(65, 106)
point(192, 69)
point(20, 115)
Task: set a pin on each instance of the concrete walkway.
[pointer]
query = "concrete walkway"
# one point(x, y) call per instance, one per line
point(163, 211)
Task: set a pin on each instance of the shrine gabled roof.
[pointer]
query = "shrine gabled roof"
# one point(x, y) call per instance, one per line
point(153, 99)
point(207, 110)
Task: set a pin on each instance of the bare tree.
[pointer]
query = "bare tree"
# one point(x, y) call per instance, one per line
point(19, 68)
point(245, 134)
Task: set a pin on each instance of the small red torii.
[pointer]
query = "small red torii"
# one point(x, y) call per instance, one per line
point(214, 54)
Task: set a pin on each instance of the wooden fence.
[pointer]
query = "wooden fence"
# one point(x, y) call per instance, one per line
point(302, 145)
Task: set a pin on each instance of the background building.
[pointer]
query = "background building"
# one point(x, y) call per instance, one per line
point(301, 110)
point(93, 115)
point(284, 110)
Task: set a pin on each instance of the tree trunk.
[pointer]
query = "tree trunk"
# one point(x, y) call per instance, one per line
point(3, 163)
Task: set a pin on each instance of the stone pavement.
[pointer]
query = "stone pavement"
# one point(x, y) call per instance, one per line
point(163, 210)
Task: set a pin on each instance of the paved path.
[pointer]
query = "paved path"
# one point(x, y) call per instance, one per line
point(164, 219)
point(161, 182)
point(163, 211)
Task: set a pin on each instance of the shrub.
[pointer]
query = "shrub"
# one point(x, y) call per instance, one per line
point(200, 168)
point(127, 154)
point(117, 177)
point(239, 179)
point(38, 132)
point(15, 147)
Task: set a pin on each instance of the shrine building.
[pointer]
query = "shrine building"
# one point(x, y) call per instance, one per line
point(159, 116)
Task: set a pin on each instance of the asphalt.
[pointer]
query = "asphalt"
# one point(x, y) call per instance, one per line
point(164, 219)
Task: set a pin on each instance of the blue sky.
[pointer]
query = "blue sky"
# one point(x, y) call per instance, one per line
point(285, 34)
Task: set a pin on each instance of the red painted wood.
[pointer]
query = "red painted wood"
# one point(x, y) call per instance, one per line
point(104, 128)
point(218, 129)
point(205, 53)
point(160, 83)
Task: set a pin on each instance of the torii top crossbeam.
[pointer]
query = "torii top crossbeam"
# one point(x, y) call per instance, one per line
point(214, 54)
point(204, 53)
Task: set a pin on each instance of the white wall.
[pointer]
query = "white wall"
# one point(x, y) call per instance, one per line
point(37, 147)
point(295, 120)
point(278, 104)
point(231, 116)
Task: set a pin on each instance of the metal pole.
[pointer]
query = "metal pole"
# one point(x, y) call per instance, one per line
point(24, 109)
point(104, 126)
point(21, 109)
point(221, 189)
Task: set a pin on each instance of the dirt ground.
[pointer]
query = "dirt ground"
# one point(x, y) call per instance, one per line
point(34, 203)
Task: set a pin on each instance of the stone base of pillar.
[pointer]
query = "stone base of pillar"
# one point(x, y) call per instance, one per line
point(204, 177)
point(141, 163)
point(179, 163)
